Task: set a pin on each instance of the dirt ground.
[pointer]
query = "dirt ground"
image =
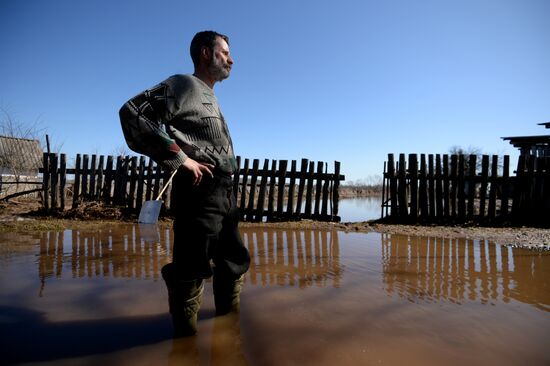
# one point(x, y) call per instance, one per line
point(25, 214)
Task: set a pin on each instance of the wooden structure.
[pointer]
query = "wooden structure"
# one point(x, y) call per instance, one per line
point(276, 191)
point(538, 146)
point(456, 189)
point(20, 161)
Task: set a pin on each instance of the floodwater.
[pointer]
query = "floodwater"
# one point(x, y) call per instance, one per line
point(310, 298)
point(360, 208)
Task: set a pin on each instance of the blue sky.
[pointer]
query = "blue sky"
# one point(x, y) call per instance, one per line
point(344, 80)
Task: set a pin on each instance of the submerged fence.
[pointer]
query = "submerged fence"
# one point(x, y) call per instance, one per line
point(277, 191)
point(459, 189)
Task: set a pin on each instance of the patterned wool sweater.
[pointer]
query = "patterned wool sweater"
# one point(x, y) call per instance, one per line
point(177, 119)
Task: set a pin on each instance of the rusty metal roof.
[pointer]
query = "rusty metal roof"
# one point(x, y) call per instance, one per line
point(20, 154)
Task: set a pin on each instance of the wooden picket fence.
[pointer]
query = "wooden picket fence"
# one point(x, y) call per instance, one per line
point(456, 189)
point(271, 193)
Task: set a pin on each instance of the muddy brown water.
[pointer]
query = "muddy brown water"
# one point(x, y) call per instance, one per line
point(310, 298)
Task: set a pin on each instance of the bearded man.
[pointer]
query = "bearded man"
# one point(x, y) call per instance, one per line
point(178, 123)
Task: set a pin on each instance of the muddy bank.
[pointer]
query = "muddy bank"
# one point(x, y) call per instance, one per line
point(27, 216)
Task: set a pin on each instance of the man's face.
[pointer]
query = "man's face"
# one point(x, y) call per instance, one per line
point(220, 63)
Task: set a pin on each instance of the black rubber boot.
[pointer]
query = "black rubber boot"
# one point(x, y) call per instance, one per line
point(227, 290)
point(184, 300)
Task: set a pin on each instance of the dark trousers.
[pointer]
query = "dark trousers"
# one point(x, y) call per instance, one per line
point(206, 228)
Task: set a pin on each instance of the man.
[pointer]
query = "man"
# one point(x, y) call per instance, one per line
point(178, 123)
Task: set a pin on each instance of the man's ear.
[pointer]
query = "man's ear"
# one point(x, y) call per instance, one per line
point(205, 53)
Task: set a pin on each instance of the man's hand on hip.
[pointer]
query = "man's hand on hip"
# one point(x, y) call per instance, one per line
point(198, 169)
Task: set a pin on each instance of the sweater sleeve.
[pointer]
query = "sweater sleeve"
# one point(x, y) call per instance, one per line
point(142, 119)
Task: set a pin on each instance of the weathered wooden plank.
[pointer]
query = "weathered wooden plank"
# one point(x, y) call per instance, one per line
point(325, 194)
point(446, 186)
point(62, 180)
point(46, 180)
point(318, 187)
point(92, 179)
point(236, 178)
point(454, 185)
point(493, 179)
point(438, 187)
point(85, 173)
point(140, 182)
point(423, 188)
point(109, 176)
point(461, 189)
point(394, 204)
point(281, 182)
point(54, 180)
point(336, 192)
point(471, 185)
point(301, 185)
point(309, 189)
point(77, 178)
point(249, 213)
point(271, 195)
point(244, 183)
point(131, 198)
point(413, 174)
point(100, 177)
point(431, 186)
point(291, 188)
point(261, 193)
point(484, 186)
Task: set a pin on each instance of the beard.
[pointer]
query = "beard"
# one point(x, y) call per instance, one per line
point(218, 70)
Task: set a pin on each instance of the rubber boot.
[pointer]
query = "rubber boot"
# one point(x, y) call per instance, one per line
point(184, 300)
point(227, 290)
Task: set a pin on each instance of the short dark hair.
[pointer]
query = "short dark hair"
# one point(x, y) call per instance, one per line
point(204, 39)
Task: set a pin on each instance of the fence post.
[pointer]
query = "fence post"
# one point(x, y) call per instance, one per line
point(336, 187)
point(46, 180)
point(393, 187)
point(413, 174)
point(402, 189)
point(62, 180)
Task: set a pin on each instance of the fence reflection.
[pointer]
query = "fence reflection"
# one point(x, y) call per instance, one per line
point(122, 252)
point(455, 270)
point(293, 257)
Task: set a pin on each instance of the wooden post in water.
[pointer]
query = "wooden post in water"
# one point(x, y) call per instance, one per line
point(454, 185)
point(84, 190)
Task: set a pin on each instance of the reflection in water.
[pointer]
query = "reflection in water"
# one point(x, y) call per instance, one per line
point(124, 252)
point(432, 269)
point(293, 258)
point(311, 298)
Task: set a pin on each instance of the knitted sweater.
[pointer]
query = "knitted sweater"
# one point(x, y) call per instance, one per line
point(177, 119)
